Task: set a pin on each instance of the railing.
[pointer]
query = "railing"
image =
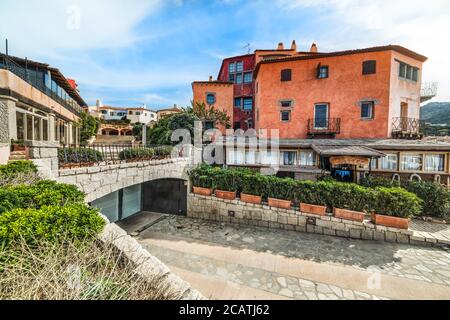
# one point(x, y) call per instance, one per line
point(76, 156)
point(26, 75)
point(428, 91)
point(330, 126)
point(407, 126)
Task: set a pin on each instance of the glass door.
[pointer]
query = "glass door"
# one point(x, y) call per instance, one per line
point(321, 116)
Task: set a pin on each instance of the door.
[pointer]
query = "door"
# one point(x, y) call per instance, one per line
point(165, 196)
point(404, 116)
point(321, 116)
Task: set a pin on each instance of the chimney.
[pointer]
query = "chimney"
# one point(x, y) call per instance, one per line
point(313, 48)
point(280, 46)
point(210, 78)
point(294, 45)
point(99, 103)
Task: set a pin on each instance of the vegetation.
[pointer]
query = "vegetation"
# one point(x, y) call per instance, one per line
point(160, 152)
point(18, 172)
point(79, 155)
point(161, 132)
point(333, 194)
point(435, 197)
point(209, 113)
point(89, 127)
point(73, 271)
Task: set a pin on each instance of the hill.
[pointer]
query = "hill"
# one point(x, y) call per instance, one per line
point(436, 113)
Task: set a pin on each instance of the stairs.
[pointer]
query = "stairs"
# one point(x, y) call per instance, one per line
point(18, 155)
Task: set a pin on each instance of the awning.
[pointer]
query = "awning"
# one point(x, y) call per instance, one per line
point(349, 151)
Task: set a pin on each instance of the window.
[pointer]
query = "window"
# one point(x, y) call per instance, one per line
point(29, 122)
point(20, 125)
point(411, 161)
point(373, 163)
point(321, 116)
point(111, 113)
point(232, 67)
point(322, 72)
point(248, 77)
point(435, 162)
point(104, 112)
point(250, 157)
point(239, 78)
point(248, 104)
point(232, 77)
point(408, 72)
point(44, 130)
point(286, 103)
point(209, 125)
point(389, 162)
point(369, 67)
point(138, 113)
point(239, 66)
point(286, 75)
point(288, 158)
point(285, 115)
point(367, 110)
point(130, 113)
point(210, 98)
point(268, 157)
point(307, 158)
point(237, 102)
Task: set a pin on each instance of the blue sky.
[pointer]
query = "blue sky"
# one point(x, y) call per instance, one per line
point(128, 53)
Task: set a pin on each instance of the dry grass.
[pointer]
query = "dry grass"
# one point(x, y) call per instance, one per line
point(27, 178)
point(85, 271)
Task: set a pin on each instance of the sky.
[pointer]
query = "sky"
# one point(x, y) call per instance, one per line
point(134, 52)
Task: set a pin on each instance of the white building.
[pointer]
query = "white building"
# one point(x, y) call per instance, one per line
point(135, 115)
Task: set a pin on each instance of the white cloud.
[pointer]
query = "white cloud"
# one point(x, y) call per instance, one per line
point(53, 27)
point(417, 24)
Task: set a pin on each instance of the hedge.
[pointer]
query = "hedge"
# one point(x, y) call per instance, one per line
point(333, 194)
point(435, 197)
point(79, 155)
point(18, 167)
point(40, 194)
point(145, 153)
point(53, 223)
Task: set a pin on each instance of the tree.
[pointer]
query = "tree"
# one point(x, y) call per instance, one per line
point(137, 130)
point(161, 132)
point(89, 127)
point(209, 113)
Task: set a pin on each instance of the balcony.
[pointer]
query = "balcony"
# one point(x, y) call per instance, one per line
point(428, 91)
point(324, 127)
point(407, 128)
point(30, 76)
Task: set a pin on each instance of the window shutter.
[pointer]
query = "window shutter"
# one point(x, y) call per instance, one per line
point(369, 67)
point(286, 75)
point(318, 71)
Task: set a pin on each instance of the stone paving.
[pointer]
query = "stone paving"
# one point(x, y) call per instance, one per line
point(428, 265)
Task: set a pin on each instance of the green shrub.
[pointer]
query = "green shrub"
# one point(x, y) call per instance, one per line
point(17, 167)
point(8, 200)
point(351, 196)
point(79, 155)
point(163, 151)
point(373, 182)
point(254, 184)
point(52, 223)
point(202, 181)
point(225, 180)
point(280, 188)
point(136, 153)
point(396, 202)
point(47, 193)
point(436, 198)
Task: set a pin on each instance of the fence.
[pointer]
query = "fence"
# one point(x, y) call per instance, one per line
point(75, 156)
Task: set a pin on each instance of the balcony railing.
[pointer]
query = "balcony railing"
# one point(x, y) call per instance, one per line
point(26, 75)
point(407, 128)
point(428, 91)
point(330, 126)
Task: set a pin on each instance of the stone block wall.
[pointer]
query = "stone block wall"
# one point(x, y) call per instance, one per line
point(236, 211)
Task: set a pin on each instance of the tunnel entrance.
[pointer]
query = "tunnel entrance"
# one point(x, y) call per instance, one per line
point(165, 196)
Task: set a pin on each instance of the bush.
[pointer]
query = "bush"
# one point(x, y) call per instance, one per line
point(254, 184)
point(46, 193)
point(373, 182)
point(396, 202)
point(436, 198)
point(202, 181)
point(280, 188)
point(225, 180)
point(136, 153)
point(18, 167)
point(52, 223)
point(8, 200)
point(163, 151)
point(79, 155)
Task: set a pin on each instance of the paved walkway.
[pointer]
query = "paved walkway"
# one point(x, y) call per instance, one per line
point(226, 261)
point(427, 230)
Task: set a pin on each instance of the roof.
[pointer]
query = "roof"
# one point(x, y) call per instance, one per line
point(214, 82)
point(396, 48)
point(123, 109)
point(347, 151)
point(174, 109)
point(59, 78)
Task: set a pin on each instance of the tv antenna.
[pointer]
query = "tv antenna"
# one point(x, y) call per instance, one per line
point(248, 46)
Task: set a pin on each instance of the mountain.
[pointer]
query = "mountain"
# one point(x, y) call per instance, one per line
point(436, 113)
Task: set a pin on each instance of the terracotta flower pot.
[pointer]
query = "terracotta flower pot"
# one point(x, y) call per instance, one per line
point(227, 195)
point(313, 209)
point(389, 221)
point(278, 203)
point(250, 198)
point(349, 215)
point(202, 191)
point(18, 147)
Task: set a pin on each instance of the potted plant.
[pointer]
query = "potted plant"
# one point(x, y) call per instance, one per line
point(202, 185)
point(312, 196)
point(18, 145)
point(393, 207)
point(279, 192)
point(349, 214)
point(224, 184)
point(350, 201)
point(253, 186)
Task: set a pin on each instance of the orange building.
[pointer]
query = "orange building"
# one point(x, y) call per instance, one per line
point(368, 93)
point(214, 93)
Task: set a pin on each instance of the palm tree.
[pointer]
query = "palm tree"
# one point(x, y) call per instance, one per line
point(209, 113)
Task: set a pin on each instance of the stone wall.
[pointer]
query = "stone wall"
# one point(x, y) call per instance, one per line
point(4, 123)
point(99, 181)
point(236, 211)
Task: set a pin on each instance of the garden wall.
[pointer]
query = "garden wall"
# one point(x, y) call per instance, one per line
point(236, 211)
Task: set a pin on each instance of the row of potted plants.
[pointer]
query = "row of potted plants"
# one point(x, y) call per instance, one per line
point(393, 206)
